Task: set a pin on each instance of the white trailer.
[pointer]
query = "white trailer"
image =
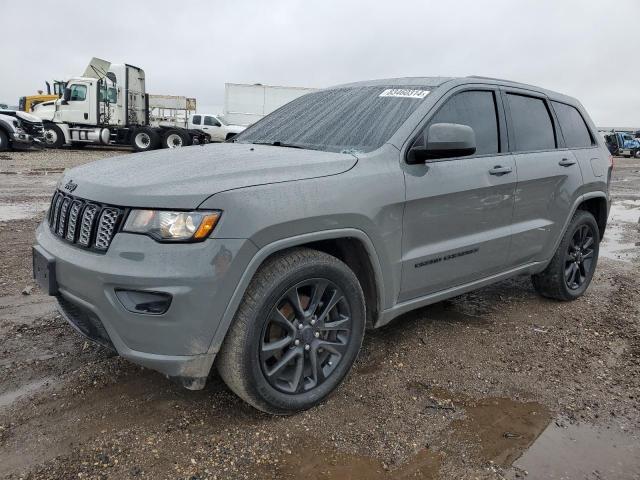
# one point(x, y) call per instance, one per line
point(170, 110)
point(245, 104)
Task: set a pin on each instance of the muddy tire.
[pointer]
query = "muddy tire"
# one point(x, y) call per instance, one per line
point(571, 269)
point(145, 139)
point(296, 333)
point(4, 141)
point(53, 136)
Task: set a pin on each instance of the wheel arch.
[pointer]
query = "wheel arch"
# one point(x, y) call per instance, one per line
point(598, 207)
point(352, 246)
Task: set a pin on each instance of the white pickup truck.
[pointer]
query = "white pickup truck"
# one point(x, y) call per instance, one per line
point(214, 126)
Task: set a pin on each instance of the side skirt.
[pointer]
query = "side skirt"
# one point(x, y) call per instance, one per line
point(415, 303)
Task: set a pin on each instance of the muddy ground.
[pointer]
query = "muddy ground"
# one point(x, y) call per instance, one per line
point(499, 383)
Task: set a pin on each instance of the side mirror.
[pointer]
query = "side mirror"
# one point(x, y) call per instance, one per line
point(444, 140)
point(66, 96)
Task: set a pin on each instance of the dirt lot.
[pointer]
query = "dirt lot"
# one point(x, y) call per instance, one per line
point(499, 383)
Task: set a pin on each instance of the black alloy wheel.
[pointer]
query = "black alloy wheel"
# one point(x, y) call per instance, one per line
point(579, 258)
point(306, 336)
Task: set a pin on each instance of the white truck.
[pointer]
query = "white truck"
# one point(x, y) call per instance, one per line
point(109, 105)
point(245, 104)
point(214, 126)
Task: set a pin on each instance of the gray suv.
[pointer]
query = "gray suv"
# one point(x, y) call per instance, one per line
point(270, 255)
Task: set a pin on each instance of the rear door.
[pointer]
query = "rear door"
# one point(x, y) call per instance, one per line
point(549, 176)
point(457, 220)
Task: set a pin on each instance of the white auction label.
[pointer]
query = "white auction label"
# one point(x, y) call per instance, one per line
point(404, 93)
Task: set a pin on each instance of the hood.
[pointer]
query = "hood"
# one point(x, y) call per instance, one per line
point(183, 178)
point(27, 117)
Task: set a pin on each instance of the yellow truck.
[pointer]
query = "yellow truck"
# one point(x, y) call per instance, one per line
point(27, 103)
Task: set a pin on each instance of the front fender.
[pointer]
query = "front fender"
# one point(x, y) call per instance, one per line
point(290, 242)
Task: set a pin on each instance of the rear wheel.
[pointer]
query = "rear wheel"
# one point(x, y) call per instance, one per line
point(53, 136)
point(296, 334)
point(145, 139)
point(175, 139)
point(571, 269)
point(4, 141)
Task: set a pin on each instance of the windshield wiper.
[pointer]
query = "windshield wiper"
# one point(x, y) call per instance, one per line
point(282, 144)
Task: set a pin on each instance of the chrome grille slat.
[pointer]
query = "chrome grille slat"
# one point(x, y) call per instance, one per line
point(86, 227)
point(84, 223)
point(106, 227)
point(76, 206)
point(62, 222)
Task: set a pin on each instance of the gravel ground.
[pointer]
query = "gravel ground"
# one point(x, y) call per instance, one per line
point(460, 389)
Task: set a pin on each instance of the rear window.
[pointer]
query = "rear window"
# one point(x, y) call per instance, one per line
point(356, 119)
point(574, 129)
point(531, 125)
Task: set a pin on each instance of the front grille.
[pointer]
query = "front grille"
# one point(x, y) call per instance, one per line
point(84, 223)
point(34, 129)
point(85, 321)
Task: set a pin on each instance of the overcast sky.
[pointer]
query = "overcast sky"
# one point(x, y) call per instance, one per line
point(578, 47)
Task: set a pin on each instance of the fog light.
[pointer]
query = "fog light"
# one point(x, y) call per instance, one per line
point(150, 303)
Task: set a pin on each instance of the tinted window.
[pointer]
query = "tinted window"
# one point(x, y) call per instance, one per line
point(211, 122)
point(78, 93)
point(352, 119)
point(532, 128)
point(196, 120)
point(477, 110)
point(574, 130)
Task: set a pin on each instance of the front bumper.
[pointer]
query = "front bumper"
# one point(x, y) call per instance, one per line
point(24, 140)
point(201, 277)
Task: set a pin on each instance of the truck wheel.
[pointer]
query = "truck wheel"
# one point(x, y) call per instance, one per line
point(230, 136)
point(53, 136)
point(145, 139)
point(637, 154)
point(296, 333)
point(173, 139)
point(572, 267)
point(4, 141)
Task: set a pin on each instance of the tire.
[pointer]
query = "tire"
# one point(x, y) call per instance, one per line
point(229, 136)
point(246, 360)
point(579, 266)
point(637, 154)
point(145, 139)
point(4, 141)
point(174, 139)
point(53, 136)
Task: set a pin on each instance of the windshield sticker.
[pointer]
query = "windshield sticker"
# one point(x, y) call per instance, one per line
point(404, 93)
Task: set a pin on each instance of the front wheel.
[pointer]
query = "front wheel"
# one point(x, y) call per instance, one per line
point(53, 136)
point(296, 334)
point(4, 141)
point(572, 267)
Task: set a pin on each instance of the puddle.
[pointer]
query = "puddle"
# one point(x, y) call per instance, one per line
point(20, 211)
point(502, 428)
point(618, 242)
point(314, 463)
point(583, 452)
point(8, 398)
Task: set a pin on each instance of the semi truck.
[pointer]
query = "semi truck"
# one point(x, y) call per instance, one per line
point(109, 105)
point(245, 104)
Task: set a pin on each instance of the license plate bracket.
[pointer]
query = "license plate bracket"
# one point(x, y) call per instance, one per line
point(44, 271)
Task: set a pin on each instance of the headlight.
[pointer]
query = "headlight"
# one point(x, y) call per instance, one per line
point(171, 226)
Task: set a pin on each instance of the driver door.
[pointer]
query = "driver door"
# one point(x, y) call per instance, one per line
point(458, 213)
point(212, 126)
point(78, 107)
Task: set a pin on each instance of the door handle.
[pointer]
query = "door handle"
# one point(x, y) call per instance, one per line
point(500, 170)
point(565, 162)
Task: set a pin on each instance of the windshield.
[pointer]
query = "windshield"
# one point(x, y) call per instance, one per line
point(357, 119)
